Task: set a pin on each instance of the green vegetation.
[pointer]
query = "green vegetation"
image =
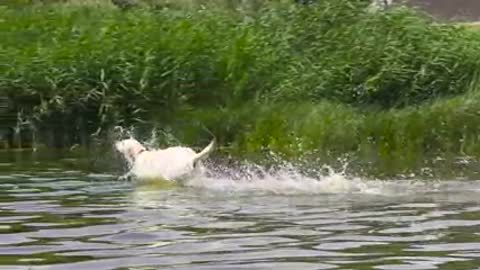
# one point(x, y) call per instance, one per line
point(393, 89)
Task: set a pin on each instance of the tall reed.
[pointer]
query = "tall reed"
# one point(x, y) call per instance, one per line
point(329, 77)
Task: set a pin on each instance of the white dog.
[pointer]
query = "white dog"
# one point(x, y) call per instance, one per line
point(173, 163)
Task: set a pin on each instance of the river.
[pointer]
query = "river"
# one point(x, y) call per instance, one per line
point(56, 213)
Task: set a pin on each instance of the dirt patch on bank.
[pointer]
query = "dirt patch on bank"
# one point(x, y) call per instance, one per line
point(459, 10)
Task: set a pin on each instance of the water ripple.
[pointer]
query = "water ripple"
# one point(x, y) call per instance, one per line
point(70, 220)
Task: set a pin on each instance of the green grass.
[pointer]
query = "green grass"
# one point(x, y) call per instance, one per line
point(393, 89)
point(427, 140)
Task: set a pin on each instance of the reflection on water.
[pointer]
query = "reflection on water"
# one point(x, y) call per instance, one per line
point(58, 215)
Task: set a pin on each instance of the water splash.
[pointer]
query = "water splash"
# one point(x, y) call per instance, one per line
point(286, 178)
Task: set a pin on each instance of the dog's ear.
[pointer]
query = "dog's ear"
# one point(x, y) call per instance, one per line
point(131, 152)
point(135, 149)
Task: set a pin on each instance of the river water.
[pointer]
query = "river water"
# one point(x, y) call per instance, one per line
point(57, 214)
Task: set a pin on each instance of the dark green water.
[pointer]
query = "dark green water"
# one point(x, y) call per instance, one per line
point(56, 214)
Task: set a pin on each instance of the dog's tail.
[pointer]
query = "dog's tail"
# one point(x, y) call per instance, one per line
point(205, 152)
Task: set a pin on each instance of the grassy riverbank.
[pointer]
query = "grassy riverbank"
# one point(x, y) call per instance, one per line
point(393, 90)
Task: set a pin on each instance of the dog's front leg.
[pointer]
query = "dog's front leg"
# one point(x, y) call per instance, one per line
point(126, 177)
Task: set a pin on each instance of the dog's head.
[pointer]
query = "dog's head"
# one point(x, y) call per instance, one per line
point(130, 149)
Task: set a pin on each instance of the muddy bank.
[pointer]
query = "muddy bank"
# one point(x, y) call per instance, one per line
point(462, 10)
